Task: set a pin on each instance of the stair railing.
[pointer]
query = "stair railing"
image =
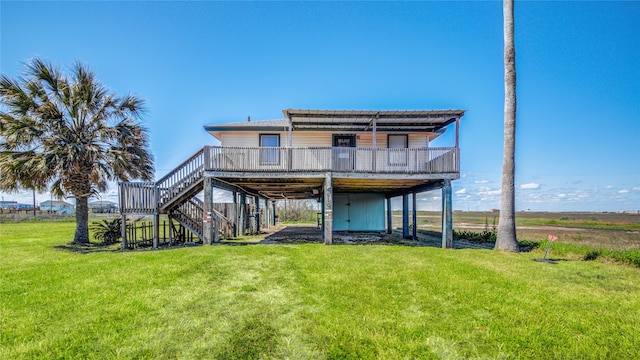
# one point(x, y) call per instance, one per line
point(180, 178)
point(189, 214)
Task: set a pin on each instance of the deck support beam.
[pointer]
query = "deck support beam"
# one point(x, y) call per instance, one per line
point(327, 220)
point(123, 231)
point(242, 214)
point(235, 214)
point(170, 229)
point(267, 213)
point(257, 214)
point(321, 215)
point(415, 216)
point(156, 230)
point(447, 221)
point(405, 216)
point(389, 217)
point(273, 205)
point(207, 220)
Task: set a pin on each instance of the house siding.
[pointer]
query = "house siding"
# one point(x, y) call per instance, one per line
point(418, 141)
point(315, 138)
point(311, 139)
point(248, 139)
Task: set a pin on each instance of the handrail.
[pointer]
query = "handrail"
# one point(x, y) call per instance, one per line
point(181, 166)
point(180, 178)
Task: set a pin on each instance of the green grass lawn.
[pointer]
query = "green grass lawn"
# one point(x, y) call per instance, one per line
point(306, 301)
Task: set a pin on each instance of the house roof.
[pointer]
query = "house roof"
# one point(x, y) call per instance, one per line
point(348, 120)
point(56, 202)
point(363, 120)
point(262, 125)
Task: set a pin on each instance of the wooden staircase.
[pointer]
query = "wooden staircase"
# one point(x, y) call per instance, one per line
point(174, 194)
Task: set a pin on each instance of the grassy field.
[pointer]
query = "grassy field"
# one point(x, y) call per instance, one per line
point(597, 230)
point(306, 301)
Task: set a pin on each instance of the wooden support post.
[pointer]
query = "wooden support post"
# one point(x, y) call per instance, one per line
point(207, 218)
point(267, 213)
point(405, 216)
point(156, 216)
point(415, 216)
point(257, 214)
point(207, 157)
point(216, 231)
point(389, 217)
point(273, 204)
point(447, 221)
point(328, 210)
point(242, 214)
point(156, 229)
point(123, 231)
point(235, 214)
point(457, 131)
point(375, 144)
point(321, 215)
point(170, 229)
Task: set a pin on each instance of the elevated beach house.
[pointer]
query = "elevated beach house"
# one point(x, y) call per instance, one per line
point(353, 162)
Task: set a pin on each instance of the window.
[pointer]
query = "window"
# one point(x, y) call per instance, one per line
point(269, 156)
point(397, 145)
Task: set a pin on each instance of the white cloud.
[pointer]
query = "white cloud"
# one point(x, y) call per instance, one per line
point(636, 188)
point(562, 195)
point(481, 181)
point(530, 186)
point(461, 191)
point(489, 192)
point(608, 187)
point(623, 191)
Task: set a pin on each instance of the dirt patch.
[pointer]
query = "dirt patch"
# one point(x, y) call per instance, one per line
point(300, 234)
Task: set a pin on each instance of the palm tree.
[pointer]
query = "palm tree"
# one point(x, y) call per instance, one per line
point(70, 135)
point(507, 226)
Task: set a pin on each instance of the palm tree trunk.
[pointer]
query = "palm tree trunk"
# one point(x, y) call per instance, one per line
point(82, 220)
point(507, 226)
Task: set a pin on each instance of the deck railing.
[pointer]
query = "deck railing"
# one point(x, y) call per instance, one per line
point(343, 159)
point(138, 197)
point(150, 197)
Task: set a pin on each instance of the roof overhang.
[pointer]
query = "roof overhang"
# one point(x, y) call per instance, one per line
point(260, 126)
point(384, 121)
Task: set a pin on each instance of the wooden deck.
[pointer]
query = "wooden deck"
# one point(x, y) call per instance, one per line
point(285, 172)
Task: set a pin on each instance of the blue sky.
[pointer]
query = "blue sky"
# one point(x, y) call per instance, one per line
point(200, 63)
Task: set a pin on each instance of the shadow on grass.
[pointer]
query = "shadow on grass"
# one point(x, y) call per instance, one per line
point(87, 248)
point(550, 260)
point(304, 234)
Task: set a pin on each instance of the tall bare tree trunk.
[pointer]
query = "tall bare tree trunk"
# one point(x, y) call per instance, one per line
point(82, 220)
point(507, 226)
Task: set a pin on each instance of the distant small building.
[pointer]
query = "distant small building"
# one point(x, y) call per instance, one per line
point(14, 205)
point(57, 206)
point(103, 206)
point(8, 204)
